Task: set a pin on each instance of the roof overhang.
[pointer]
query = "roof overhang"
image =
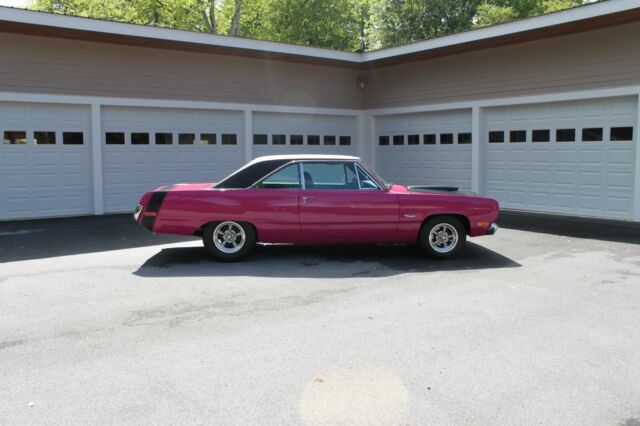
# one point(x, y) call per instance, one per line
point(580, 19)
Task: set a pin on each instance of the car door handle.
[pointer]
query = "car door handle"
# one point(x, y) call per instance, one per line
point(307, 197)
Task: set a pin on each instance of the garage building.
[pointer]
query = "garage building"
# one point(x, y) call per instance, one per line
point(541, 113)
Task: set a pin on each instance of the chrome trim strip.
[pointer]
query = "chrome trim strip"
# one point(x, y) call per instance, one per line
point(374, 180)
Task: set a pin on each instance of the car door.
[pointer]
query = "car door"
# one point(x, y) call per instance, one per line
point(334, 207)
point(272, 206)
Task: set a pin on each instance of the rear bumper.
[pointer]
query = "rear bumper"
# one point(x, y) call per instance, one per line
point(492, 229)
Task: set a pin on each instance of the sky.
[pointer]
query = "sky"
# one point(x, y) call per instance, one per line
point(14, 3)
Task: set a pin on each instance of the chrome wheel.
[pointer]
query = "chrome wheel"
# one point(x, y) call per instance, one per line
point(443, 238)
point(229, 237)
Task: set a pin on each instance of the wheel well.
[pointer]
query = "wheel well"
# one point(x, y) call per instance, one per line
point(463, 219)
point(198, 232)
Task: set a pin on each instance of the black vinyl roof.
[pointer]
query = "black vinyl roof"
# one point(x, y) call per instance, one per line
point(249, 175)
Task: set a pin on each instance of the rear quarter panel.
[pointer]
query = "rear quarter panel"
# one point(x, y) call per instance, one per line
point(274, 213)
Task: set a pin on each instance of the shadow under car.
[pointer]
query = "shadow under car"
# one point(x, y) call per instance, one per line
point(336, 261)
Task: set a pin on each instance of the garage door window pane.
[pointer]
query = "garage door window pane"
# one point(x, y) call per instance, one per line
point(44, 138)
point(139, 138)
point(296, 139)
point(398, 140)
point(496, 137)
point(114, 138)
point(329, 140)
point(12, 137)
point(313, 140)
point(72, 138)
point(622, 133)
point(541, 136)
point(383, 140)
point(517, 136)
point(208, 139)
point(229, 139)
point(287, 178)
point(446, 139)
point(186, 138)
point(464, 138)
point(565, 135)
point(279, 139)
point(413, 140)
point(260, 139)
point(164, 138)
point(345, 140)
point(430, 139)
point(592, 135)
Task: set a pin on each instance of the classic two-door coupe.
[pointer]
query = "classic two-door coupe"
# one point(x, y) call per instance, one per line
point(315, 199)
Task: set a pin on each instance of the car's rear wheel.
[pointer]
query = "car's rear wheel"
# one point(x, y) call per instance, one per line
point(442, 237)
point(229, 241)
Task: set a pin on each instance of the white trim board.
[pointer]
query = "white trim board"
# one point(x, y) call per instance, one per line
point(376, 112)
point(166, 103)
point(517, 100)
point(636, 200)
point(108, 27)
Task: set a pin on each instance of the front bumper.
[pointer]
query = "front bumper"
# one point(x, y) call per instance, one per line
point(492, 229)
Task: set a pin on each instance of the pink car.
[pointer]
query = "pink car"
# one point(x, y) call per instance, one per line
point(315, 199)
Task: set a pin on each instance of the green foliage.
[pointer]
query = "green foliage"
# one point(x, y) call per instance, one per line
point(339, 24)
point(403, 21)
point(489, 14)
point(498, 11)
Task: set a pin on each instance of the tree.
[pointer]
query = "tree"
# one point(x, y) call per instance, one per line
point(404, 21)
point(498, 11)
point(489, 14)
point(353, 25)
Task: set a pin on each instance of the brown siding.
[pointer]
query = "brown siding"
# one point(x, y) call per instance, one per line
point(57, 66)
point(597, 59)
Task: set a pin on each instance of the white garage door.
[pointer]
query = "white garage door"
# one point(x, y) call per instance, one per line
point(144, 148)
point(426, 148)
point(45, 166)
point(565, 157)
point(277, 133)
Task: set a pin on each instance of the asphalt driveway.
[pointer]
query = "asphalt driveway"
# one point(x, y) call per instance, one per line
point(103, 322)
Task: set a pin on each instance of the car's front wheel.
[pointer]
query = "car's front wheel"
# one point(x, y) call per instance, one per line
point(229, 241)
point(442, 237)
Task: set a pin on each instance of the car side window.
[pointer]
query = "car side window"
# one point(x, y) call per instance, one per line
point(286, 178)
point(329, 175)
point(366, 181)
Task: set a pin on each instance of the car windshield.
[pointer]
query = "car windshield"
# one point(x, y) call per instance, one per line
point(375, 175)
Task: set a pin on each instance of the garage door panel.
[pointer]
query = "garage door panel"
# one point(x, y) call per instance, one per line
point(537, 176)
point(130, 170)
point(440, 164)
point(592, 157)
point(620, 180)
point(312, 128)
point(591, 203)
point(35, 176)
point(16, 206)
point(592, 178)
point(17, 159)
point(620, 157)
point(517, 176)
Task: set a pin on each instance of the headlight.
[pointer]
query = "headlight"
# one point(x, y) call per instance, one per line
point(137, 211)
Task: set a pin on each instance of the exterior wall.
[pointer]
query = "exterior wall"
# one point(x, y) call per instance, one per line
point(597, 59)
point(69, 67)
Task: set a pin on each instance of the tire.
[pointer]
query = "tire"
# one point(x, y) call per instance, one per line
point(235, 240)
point(442, 237)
